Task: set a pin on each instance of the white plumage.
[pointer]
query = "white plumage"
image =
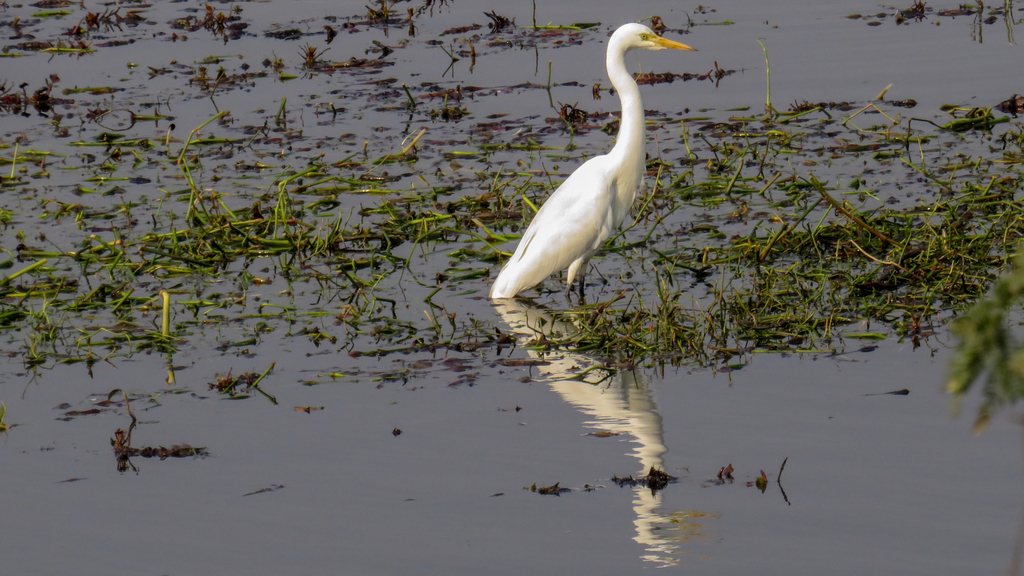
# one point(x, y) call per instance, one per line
point(585, 210)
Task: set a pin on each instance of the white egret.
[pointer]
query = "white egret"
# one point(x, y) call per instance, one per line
point(584, 211)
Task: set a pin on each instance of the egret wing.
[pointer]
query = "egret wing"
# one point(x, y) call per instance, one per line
point(570, 226)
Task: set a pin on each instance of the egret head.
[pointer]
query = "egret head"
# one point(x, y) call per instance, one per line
point(633, 35)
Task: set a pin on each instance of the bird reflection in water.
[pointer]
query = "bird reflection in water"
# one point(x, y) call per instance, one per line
point(622, 404)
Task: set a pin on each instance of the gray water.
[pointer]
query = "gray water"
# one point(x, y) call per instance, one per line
point(872, 483)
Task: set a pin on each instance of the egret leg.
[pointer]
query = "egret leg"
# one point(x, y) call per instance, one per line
point(568, 292)
point(579, 266)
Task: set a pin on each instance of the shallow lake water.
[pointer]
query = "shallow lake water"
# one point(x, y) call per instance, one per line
point(422, 460)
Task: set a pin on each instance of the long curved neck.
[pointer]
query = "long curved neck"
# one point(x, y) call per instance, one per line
point(630, 143)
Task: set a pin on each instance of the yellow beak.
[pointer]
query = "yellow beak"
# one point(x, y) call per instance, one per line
point(670, 44)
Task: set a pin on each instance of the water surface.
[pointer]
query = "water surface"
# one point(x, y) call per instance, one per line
point(872, 483)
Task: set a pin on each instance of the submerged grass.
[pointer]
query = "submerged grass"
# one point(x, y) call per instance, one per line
point(740, 251)
point(782, 232)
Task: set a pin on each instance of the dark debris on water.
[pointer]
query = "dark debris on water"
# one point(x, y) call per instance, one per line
point(654, 479)
point(123, 450)
point(553, 490)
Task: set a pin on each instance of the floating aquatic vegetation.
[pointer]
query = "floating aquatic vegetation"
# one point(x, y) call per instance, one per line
point(655, 479)
point(368, 216)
